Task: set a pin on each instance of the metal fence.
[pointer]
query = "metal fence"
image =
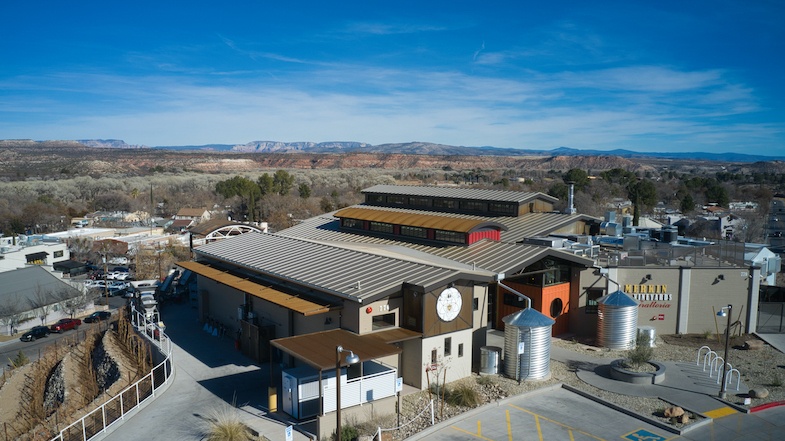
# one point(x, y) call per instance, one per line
point(117, 408)
point(771, 317)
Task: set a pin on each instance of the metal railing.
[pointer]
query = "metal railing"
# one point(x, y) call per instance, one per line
point(116, 409)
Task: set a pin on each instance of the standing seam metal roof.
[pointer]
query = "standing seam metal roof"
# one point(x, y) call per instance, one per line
point(460, 193)
point(516, 228)
point(325, 267)
point(489, 255)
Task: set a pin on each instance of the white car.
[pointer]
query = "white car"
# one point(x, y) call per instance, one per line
point(148, 301)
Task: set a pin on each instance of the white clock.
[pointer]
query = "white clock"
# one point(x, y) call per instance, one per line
point(448, 305)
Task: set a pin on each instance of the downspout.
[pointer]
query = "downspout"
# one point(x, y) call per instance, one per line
point(529, 304)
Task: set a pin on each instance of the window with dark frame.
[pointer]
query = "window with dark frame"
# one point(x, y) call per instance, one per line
point(448, 346)
point(382, 321)
point(592, 294)
point(433, 356)
point(460, 350)
point(351, 223)
point(445, 203)
point(375, 198)
point(397, 200)
point(381, 227)
point(414, 231)
point(474, 206)
point(510, 299)
point(475, 304)
point(449, 236)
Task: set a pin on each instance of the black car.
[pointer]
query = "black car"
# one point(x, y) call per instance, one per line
point(98, 316)
point(35, 333)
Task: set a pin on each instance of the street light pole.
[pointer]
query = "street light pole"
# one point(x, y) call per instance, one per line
point(352, 358)
point(725, 311)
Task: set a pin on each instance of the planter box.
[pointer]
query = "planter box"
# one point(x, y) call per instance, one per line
point(620, 373)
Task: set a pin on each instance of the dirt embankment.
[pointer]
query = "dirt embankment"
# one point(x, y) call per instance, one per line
point(41, 398)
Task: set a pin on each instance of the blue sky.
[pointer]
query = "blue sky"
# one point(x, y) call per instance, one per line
point(645, 76)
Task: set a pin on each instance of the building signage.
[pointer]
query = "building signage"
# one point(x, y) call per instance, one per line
point(645, 289)
point(649, 296)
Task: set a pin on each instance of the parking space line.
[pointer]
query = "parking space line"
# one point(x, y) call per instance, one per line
point(509, 426)
point(476, 435)
point(569, 428)
point(539, 429)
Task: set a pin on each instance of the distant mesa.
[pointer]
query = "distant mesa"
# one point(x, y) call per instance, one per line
point(407, 148)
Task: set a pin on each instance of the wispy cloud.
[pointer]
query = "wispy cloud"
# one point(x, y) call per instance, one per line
point(625, 107)
point(387, 28)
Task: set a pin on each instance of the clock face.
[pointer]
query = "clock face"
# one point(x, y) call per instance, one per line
point(448, 305)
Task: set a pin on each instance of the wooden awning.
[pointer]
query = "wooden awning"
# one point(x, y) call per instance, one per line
point(318, 349)
point(434, 221)
point(288, 301)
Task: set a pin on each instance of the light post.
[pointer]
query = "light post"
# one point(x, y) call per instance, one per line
point(725, 311)
point(351, 359)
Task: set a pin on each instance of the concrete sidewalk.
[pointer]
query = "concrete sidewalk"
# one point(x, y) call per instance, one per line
point(210, 375)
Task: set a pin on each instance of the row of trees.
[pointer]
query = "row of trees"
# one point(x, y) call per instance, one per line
point(40, 206)
point(279, 196)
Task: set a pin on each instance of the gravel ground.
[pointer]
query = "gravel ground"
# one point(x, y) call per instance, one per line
point(763, 368)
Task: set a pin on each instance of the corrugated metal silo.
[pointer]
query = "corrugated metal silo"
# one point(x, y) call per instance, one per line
point(527, 345)
point(617, 321)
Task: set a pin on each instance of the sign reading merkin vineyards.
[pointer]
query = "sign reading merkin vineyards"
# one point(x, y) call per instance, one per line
point(650, 296)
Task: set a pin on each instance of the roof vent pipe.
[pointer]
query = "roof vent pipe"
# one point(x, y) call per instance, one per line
point(571, 199)
point(528, 300)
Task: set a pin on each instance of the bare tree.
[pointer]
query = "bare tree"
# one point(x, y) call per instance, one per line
point(43, 301)
point(74, 301)
point(10, 313)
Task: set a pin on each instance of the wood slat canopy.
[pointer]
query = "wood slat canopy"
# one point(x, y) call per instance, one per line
point(318, 349)
point(438, 222)
point(294, 303)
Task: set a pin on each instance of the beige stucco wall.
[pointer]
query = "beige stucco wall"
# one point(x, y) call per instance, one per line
point(222, 304)
point(454, 366)
point(709, 294)
point(412, 363)
point(364, 319)
point(672, 300)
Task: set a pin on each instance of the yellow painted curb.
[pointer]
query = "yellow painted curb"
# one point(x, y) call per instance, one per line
point(721, 412)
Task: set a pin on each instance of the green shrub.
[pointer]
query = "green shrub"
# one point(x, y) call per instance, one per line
point(641, 354)
point(462, 395)
point(348, 433)
point(225, 425)
point(485, 380)
point(20, 360)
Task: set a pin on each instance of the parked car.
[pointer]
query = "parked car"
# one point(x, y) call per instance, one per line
point(98, 316)
point(35, 333)
point(65, 324)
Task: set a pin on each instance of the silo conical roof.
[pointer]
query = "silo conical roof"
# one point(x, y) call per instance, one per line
point(528, 318)
point(618, 298)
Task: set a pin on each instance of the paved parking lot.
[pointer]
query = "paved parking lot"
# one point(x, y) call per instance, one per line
point(548, 414)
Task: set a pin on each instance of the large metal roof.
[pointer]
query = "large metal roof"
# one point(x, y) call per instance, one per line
point(460, 193)
point(344, 272)
point(439, 222)
point(488, 255)
point(23, 288)
point(515, 228)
